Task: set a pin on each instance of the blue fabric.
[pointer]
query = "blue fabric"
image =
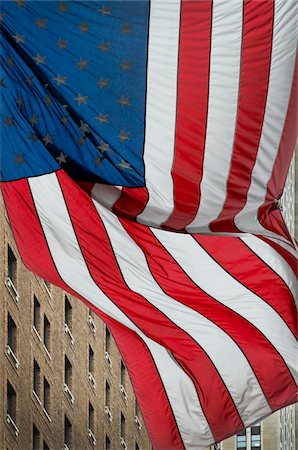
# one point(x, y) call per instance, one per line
point(73, 89)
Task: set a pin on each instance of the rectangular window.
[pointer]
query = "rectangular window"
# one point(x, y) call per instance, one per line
point(91, 417)
point(46, 332)
point(123, 426)
point(11, 334)
point(256, 436)
point(67, 432)
point(108, 443)
point(123, 374)
point(46, 395)
point(36, 314)
point(67, 372)
point(108, 341)
point(45, 446)
point(35, 438)
point(137, 446)
point(12, 266)
point(36, 378)
point(91, 360)
point(108, 394)
point(68, 313)
point(241, 440)
point(11, 402)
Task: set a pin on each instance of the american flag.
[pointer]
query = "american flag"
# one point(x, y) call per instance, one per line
point(145, 147)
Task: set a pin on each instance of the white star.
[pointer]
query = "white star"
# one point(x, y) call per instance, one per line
point(63, 7)
point(123, 136)
point(82, 64)
point(29, 81)
point(103, 147)
point(39, 59)
point(60, 80)
point(102, 118)
point(83, 27)
point(61, 158)
point(124, 165)
point(64, 120)
point(47, 139)
point(105, 11)
point(9, 61)
point(19, 38)
point(81, 99)
point(33, 137)
point(62, 43)
point(34, 120)
point(84, 127)
point(41, 23)
point(98, 161)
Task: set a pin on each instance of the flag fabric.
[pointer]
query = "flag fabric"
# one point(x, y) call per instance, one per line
point(145, 147)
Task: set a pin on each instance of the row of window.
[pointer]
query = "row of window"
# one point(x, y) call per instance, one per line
point(255, 439)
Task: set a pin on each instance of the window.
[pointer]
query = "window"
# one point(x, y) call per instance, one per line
point(11, 334)
point(67, 432)
point(256, 436)
point(108, 394)
point(137, 408)
point(137, 446)
point(36, 378)
point(11, 402)
point(91, 360)
point(108, 443)
point(68, 313)
point(123, 374)
point(12, 266)
point(123, 426)
point(35, 438)
point(45, 446)
point(46, 395)
point(91, 417)
point(46, 332)
point(67, 372)
point(108, 341)
point(36, 314)
point(241, 440)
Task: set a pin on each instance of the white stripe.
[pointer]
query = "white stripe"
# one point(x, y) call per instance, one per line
point(245, 389)
point(280, 83)
point(72, 268)
point(106, 194)
point(203, 270)
point(161, 109)
point(274, 260)
point(225, 62)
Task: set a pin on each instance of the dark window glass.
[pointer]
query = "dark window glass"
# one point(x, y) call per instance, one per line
point(36, 378)
point(67, 432)
point(91, 360)
point(256, 437)
point(36, 314)
point(137, 446)
point(108, 340)
point(123, 427)
point(91, 417)
point(108, 443)
point(12, 266)
point(67, 372)
point(68, 313)
point(108, 394)
point(11, 333)
point(45, 446)
point(35, 438)
point(123, 373)
point(46, 395)
point(46, 332)
point(11, 402)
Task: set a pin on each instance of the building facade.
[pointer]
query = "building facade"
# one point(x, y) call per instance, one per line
point(63, 384)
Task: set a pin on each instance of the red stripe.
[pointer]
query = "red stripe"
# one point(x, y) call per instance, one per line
point(131, 202)
point(195, 362)
point(252, 274)
point(291, 259)
point(271, 218)
point(192, 110)
point(36, 256)
point(254, 80)
point(270, 369)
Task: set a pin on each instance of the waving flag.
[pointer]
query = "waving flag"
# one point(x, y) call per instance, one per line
point(145, 147)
